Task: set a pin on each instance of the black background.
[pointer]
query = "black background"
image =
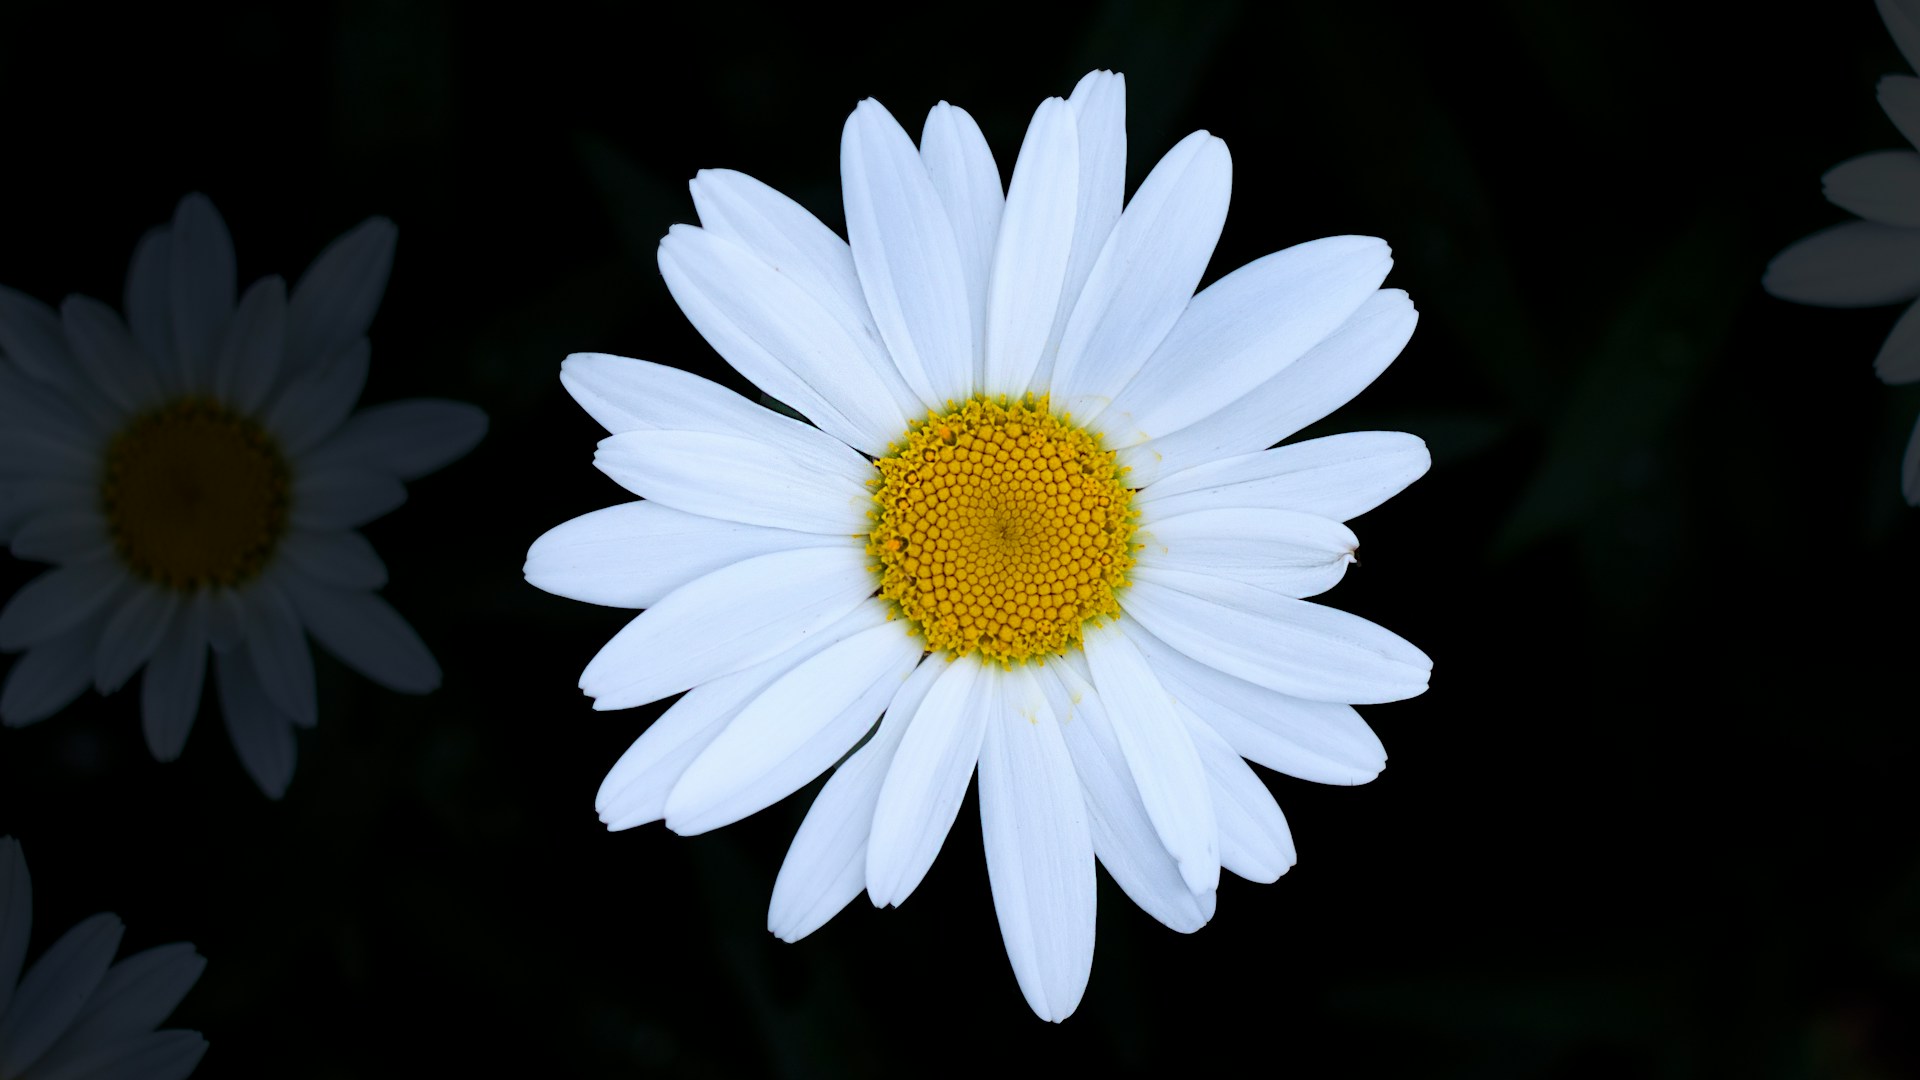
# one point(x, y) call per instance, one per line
point(1646, 821)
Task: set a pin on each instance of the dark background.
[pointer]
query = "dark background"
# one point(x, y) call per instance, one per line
point(1645, 823)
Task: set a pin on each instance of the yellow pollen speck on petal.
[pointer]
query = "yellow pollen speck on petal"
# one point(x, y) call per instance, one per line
point(195, 494)
point(1001, 529)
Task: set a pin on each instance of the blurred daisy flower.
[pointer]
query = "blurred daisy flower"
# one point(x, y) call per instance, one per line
point(1036, 532)
point(196, 473)
point(77, 1015)
point(1876, 260)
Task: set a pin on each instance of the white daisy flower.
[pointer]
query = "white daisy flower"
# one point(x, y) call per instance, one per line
point(77, 1015)
point(197, 472)
point(1875, 260)
point(1037, 529)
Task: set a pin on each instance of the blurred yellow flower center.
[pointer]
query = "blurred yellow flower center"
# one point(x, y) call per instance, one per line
point(1001, 529)
point(195, 494)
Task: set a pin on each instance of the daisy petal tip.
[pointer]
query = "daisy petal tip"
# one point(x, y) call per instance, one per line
point(677, 234)
point(194, 204)
point(574, 361)
point(1361, 776)
point(1054, 1013)
point(689, 822)
point(1201, 878)
point(373, 240)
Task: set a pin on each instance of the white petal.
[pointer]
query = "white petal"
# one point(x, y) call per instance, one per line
point(1903, 24)
point(64, 534)
point(636, 788)
point(826, 866)
point(1244, 329)
point(338, 557)
point(161, 1055)
point(334, 301)
point(342, 498)
point(1856, 264)
point(785, 234)
point(54, 991)
point(1327, 377)
point(795, 730)
point(1293, 646)
point(1039, 849)
point(1124, 838)
point(251, 354)
point(134, 997)
point(47, 436)
point(725, 621)
point(202, 281)
point(1035, 244)
point(406, 439)
point(277, 645)
point(963, 173)
point(1326, 742)
point(1100, 114)
point(1159, 754)
point(48, 676)
point(909, 261)
point(789, 238)
point(149, 305)
point(1338, 477)
point(114, 364)
point(633, 554)
point(928, 779)
point(778, 336)
point(131, 635)
point(58, 601)
point(1882, 186)
point(1255, 842)
point(801, 484)
point(311, 406)
point(366, 634)
point(32, 336)
point(1293, 554)
point(16, 916)
point(1900, 98)
point(1898, 362)
point(262, 735)
point(170, 689)
point(624, 394)
point(30, 483)
point(1145, 275)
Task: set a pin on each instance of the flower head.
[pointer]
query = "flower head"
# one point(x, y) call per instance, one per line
point(1875, 260)
point(196, 473)
point(76, 1013)
point(1035, 529)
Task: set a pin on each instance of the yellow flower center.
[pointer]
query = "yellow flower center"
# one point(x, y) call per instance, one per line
point(195, 494)
point(1001, 529)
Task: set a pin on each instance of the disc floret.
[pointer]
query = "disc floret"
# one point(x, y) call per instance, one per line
point(195, 495)
point(1001, 529)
